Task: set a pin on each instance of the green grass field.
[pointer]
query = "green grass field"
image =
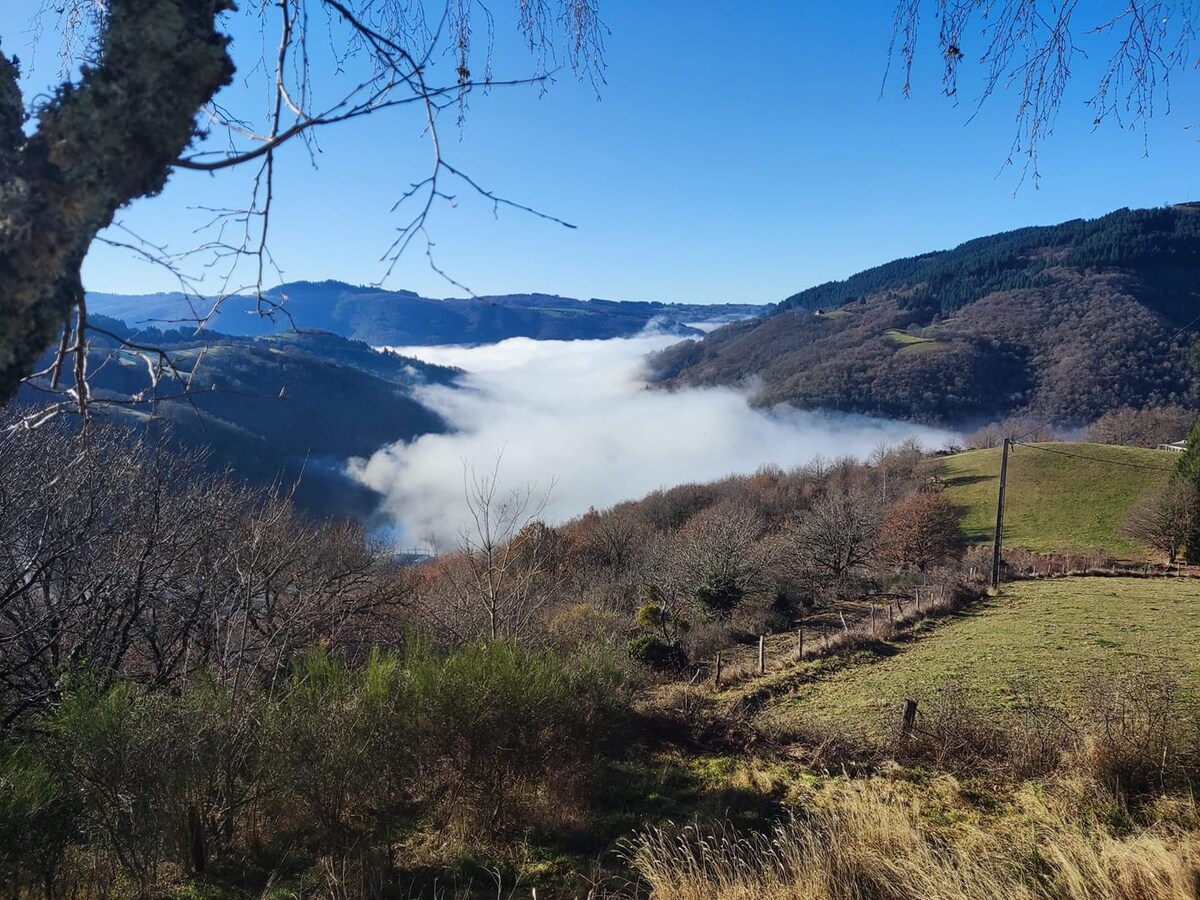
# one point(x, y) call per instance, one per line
point(914, 343)
point(1055, 503)
point(1053, 637)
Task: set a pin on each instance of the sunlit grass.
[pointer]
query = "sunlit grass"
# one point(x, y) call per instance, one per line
point(1052, 638)
point(1055, 503)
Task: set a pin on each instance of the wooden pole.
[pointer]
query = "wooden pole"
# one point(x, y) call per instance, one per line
point(910, 719)
point(1000, 516)
point(717, 680)
point(845, 627)
point(800, 642)
point(762, 654)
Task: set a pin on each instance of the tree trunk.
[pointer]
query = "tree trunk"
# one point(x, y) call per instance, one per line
point(110, 138)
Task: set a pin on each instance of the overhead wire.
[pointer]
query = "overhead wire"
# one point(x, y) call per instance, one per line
point(1111, 462)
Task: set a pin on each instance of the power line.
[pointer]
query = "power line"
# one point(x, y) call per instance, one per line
point(1111, 462)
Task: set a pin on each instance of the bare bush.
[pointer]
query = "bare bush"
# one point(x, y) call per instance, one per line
point(126, 559)
point(1140, 737)
point(1165, 517)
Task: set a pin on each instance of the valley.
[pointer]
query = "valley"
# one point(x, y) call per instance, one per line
point(355, 546)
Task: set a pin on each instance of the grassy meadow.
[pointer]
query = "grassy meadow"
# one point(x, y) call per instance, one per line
point(1055, 503)
point(1052, 639)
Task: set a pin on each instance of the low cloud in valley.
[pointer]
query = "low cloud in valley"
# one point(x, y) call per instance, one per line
point(578, 414)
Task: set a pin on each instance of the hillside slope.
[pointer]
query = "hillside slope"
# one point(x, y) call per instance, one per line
point(270, 408)
point(1068, 320)
point(1055, 502)
point(395, 318)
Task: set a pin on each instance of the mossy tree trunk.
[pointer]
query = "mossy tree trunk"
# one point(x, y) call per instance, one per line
point(100, 142)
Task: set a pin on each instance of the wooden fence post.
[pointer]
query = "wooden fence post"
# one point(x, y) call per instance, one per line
point(800, 642)
point(910, 719)
point(717, 680)
point(845, 627)
point(762, 654)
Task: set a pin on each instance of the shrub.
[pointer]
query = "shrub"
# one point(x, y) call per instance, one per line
point(718, 592)
point(506, 735)
point(651, 650)
point(1139, 736)
point(39, 818)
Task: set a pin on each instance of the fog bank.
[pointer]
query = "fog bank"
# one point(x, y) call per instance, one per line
point(578, 413)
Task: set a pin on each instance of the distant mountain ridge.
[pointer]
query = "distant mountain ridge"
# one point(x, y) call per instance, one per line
point(403, 318)
point(1067, 320)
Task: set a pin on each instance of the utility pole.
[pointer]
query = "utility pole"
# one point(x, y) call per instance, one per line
point(1000, 516)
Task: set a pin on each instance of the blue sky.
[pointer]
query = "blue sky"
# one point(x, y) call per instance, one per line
point(732, 156)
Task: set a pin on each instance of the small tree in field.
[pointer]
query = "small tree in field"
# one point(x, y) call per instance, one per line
point(923, 530)
point(1165, 517)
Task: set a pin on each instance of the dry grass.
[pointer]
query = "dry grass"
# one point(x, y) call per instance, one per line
point(865, 844)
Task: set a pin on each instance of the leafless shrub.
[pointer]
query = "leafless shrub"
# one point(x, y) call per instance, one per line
point(126, 558)
point(1140, 735)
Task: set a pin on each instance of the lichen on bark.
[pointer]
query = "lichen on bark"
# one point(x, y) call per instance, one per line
point(107, 139)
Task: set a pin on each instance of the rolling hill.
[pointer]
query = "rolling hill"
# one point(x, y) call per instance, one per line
point(275, 407)
point(1069, 320)
point(397, 318)
point(1060, 497)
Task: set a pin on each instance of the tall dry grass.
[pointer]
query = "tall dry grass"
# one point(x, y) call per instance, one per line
point(864, 844)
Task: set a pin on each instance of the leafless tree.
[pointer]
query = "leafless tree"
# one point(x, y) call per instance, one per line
point(922, 530)
point(148, 99)
point(1142, 427)
point(1032, 46)
point(722, 556)
point(837, 538)
point(1165, 517)
point(508, 567)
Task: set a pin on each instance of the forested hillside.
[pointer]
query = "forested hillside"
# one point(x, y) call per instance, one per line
point(270, 408)
point(1070, 320)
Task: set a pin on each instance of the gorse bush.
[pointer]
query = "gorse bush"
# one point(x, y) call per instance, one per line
point(483, 743)
point(39, 819)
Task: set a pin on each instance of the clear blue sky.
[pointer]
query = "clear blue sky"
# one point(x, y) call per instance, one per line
point(732, 155)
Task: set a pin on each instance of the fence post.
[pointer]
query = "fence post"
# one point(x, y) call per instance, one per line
point(891, 621)
point(800, 643)
point(910, 719)
point(762, 654)
point(717, 680)
point(845, 627)
point(918, 593)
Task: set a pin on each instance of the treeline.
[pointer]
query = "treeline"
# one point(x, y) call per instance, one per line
point(947, 280)
point(674, 577)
